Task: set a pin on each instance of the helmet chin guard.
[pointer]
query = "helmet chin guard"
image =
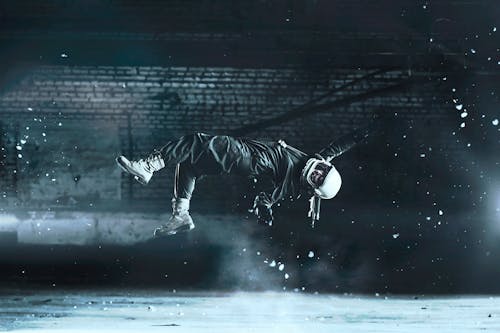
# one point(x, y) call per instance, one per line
point(322, 176)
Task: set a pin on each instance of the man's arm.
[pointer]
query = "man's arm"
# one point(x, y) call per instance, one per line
point(346, 142)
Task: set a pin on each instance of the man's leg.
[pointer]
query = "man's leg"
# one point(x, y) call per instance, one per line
point(180, 220)
point(208, 155)
point(186, 147)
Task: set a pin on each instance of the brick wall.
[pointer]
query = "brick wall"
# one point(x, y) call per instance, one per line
point(135, 109)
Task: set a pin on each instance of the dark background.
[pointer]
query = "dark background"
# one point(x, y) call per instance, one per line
point(83, 81)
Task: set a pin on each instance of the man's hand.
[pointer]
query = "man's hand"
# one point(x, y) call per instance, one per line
point(263, 212)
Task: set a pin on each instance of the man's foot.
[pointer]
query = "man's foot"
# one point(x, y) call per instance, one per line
point(177, 223)
point(142, 170)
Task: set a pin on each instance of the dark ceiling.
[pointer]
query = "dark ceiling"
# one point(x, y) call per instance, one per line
point(246, 33)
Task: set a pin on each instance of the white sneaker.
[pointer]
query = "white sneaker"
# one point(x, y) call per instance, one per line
point(177, 223)
point(143, 169)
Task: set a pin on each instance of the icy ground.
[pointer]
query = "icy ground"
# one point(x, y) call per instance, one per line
point(243, 312)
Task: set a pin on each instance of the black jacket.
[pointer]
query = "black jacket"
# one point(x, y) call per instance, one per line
point(285, 164)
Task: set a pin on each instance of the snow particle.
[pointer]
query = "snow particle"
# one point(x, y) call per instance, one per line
point(311, 254)
point(395, 236)
point(440, 212)
point(494, 122)
point(463, 114)
point(281, 267)
point(459, 107)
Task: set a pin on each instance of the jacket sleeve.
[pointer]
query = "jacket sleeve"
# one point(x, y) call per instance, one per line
point(348, 141)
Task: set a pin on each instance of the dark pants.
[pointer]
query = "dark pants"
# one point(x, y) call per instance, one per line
point(201, 154)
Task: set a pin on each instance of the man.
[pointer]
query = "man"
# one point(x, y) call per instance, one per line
point(199, 154)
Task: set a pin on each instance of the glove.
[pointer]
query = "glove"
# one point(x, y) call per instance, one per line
point(263, 212)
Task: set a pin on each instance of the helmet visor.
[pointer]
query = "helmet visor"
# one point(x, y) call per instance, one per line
point(319, 173)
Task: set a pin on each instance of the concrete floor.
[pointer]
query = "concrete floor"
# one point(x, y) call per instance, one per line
point(149, 311)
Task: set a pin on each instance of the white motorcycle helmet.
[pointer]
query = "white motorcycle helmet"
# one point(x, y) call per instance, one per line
point(322, 176)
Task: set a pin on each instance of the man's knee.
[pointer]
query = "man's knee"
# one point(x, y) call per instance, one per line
point(200, 135)
point(219, 143)
point(225, 148)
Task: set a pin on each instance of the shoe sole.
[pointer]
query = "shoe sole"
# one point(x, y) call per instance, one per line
point(181, 229)
point(125, 168)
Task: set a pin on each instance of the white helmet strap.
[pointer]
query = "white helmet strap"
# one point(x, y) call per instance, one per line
point(314, 209)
